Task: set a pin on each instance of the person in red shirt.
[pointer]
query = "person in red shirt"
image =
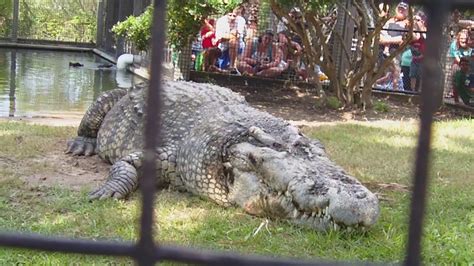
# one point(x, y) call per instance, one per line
point(209, 44)
point(208, 34)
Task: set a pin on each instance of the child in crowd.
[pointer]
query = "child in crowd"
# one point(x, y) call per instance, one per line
point(391, 79)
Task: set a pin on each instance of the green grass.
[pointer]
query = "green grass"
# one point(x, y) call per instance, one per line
point(373, 152)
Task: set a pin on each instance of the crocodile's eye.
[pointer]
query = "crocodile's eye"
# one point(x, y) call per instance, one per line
point(252, 159)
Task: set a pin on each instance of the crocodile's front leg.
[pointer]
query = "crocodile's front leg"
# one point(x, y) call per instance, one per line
point(122, 179)
point(85, 142)
point(123, 175)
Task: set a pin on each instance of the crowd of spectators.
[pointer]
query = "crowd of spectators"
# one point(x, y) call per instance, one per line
point(233, 44)
point(404, 73)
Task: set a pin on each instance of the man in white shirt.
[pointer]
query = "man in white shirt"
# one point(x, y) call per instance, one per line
point(230, 31)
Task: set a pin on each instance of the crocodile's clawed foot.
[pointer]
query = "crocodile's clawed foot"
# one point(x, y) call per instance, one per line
point(122, 180)
point(81, 146)
point(111, 189)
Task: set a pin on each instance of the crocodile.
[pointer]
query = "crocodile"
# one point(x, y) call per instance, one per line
point(215, 145)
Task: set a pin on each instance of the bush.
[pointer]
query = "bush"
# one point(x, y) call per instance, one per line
point(381, 106)
point(136, 29)
point(333, 103)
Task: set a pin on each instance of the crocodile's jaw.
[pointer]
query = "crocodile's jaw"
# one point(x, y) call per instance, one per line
point(311, 192)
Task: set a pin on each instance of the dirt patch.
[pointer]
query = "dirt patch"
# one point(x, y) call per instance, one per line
point(71, 172)
point(300, 107)
point(57, 169)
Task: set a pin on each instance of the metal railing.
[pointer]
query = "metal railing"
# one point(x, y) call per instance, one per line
point(147, 252)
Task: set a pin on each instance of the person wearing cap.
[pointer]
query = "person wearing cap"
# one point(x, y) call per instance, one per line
point(259, 55)
point(461, 84)
point(393, 36)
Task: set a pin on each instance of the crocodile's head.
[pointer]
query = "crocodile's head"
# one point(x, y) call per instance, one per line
point(290, 177)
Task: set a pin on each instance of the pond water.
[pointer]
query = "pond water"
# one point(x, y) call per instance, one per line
point(37, 83)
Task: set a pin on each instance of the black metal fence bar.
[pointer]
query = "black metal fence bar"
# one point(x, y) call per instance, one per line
point(148, 182)
point(40, 242)
point(147, 253)
point(429, 103)
point(195, 256)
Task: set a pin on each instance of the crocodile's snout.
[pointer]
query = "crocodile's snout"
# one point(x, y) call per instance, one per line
point(308, 190)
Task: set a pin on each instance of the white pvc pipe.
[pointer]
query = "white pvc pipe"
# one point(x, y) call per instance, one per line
point(123, 79)
point(126, 59)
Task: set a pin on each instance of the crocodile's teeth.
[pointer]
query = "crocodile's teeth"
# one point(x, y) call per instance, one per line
point(313, 214)
point(287, 193)
point(336, 227)
point(279, 193)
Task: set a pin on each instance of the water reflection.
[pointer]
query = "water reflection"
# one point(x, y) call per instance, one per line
point(41, 83)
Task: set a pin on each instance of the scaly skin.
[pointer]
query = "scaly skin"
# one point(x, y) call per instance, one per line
point(213, 144)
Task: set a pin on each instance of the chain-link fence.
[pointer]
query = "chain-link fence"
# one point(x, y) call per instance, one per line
point(258, 44)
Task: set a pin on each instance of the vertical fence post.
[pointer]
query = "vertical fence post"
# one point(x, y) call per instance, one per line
point(148, 182)
point(100, 25)
point(16, 11)
point(437, 10)
point(110, 19)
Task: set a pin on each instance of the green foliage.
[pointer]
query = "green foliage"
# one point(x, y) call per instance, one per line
point(333, 102)
point(185, 17)
point(68, 20)
point(136, 29)
point(381, 106)
point(321, 6)
point(6, 10)
point(184, 21)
